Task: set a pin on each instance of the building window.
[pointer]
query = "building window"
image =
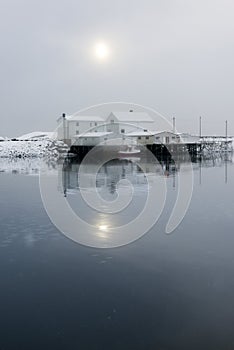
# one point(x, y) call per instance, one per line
point(139, 137)
point(77, 123)
point(173, 137)
point(77, 132)
point(95, 124)
point(157, 137)
point(91, 124)
point(112, 121)
point(147, 137)
point(122, 131)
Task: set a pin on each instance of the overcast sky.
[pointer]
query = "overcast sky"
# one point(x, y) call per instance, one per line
point(175, 56)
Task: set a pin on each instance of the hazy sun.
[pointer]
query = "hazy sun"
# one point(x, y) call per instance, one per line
point(101, 51)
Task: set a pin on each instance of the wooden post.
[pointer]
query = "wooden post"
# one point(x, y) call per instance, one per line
point(226, 134)
point(200, 133)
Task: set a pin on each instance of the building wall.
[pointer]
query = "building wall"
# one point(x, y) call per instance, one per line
point(120, 127)
point(69, 128)
point(143, 140)
point(89, 141)
point(166, 137)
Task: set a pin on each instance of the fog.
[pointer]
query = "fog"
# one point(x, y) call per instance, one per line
point(173, 56)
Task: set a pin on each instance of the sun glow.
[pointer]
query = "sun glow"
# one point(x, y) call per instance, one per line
point(103, 227)
point(102, 51)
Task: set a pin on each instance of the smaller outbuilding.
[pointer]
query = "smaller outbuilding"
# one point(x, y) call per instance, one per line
point(142, 137)
point(166, 137)
point(91, 138)
point(169, 137)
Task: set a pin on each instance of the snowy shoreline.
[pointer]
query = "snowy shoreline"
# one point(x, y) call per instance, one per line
point(31, 149)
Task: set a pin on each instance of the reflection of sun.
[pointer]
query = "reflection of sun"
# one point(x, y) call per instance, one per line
point(103, 228)
point(103, 231)
point(102, 51)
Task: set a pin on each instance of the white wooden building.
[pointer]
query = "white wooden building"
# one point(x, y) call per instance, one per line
point(91, 130)
point(138, 127)
point(69, 127)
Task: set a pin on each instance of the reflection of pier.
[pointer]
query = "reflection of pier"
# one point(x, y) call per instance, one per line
point(215, 160)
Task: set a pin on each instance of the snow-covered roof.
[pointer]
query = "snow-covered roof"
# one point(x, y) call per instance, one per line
point(187, 134)
point(93, 134)
point(2, 138)
point(132, 116)
point(141, 133)
point(88, 118)
point(166, 132)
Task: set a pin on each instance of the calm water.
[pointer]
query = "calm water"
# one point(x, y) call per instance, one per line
point(160, 292)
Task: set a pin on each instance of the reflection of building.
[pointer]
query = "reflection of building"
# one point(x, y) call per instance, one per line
point(112, 172)
point(115, 170)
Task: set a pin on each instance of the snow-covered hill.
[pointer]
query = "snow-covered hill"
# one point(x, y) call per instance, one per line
point(33, 145)
point(38, 135)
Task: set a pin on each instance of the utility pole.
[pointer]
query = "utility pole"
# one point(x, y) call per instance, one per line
point(174, 124)
point(200, 126)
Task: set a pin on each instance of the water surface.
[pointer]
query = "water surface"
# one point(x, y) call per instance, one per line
point(159, 292)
